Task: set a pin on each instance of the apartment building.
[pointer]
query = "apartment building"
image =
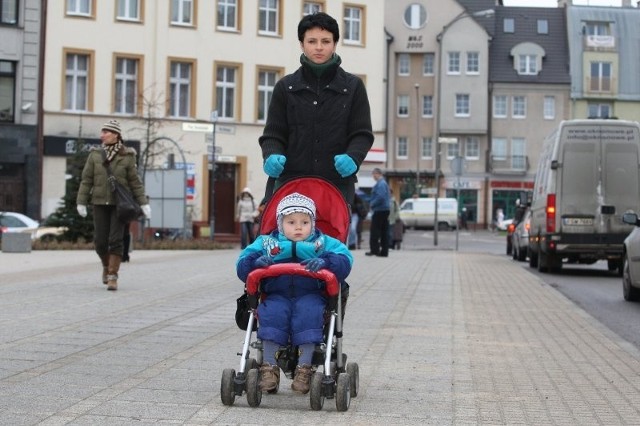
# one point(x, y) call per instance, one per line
point(163, 67)
point(20, 41)
point(529, 85)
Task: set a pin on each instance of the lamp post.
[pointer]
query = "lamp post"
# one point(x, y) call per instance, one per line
point(212, 178)
point(417, 140)
point(462, 15)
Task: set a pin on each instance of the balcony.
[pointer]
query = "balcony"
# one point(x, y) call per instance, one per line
point(516, 165)
point(601, 86)
point(599, 43)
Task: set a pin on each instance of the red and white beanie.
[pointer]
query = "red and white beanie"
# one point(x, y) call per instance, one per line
point(296, 203)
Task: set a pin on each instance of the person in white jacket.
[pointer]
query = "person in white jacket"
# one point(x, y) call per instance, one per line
point(245, 214)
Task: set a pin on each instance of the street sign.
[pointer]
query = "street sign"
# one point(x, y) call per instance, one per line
point(218, 149)
point(197, 127)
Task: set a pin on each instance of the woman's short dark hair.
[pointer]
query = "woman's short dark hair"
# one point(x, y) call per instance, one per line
point(318, 20)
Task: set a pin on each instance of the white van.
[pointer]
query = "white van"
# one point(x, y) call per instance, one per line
point(586, 179)
point(420, 212)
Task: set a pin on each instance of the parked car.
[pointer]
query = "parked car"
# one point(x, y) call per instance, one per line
point(17, 222)
point(631, 260)
point(520, 237)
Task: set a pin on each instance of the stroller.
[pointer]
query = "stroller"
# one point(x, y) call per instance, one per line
point(338, 379)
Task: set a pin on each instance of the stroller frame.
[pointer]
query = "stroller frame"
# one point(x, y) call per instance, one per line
point(338, 379)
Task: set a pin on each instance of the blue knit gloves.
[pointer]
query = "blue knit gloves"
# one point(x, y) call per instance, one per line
point(315, 264)
point(344, 165)
point(274, 165)
point(263, 261)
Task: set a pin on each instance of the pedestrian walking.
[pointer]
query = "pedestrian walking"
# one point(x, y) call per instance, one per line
point(246, 212)
point(95, 188)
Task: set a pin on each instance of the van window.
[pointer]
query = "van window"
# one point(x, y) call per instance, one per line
point(579, 176)
point(621, 180)
point(407, 205)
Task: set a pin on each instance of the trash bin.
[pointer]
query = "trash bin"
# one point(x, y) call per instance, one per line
point(16, 242)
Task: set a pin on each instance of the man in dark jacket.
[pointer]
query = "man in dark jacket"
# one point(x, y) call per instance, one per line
point(319, 119)
point(379, 205)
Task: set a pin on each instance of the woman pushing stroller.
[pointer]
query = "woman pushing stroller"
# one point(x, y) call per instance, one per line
point(293, 311)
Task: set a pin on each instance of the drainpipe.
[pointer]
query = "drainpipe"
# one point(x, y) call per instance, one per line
point(387, 141)
point(40, 107)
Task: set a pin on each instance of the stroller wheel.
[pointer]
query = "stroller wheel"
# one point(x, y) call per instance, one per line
point(354, 374)
point(316, 398)
point(251, 363)
point(254, 394)
point(343, 394)
point(227, 394)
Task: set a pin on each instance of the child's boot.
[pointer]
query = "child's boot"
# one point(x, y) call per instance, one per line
point(269, 377)
point(302, 378)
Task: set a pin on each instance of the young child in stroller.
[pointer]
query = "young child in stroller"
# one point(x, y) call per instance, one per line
point(293, 310)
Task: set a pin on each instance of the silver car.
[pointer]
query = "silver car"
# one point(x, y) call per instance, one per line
point(520, 238)
point(631, 260)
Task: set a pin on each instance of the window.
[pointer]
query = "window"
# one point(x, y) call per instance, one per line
point(599, 110)
point(472, 148)
point(427, 106)
point(311, 7)
point(427, 64)
point(353, 25)
point(182, 12)
point(180, 85)
point(519, 105)
point(518, 154)
point(453, 150)
point(499, 149)
point(508, 25)
point(415, 16)
point(266, 82)
point(543, 26)
point(403, 106)
point(473, 62)
point(527, 65)
point(7, 91)
point(228, 15)
point(462, 105)
point(549, 109)
point(600, 77)
point(427, 147)
point(454, 63)
point(269, 12)
point(226, 89)
point(77, 81)
point(499, 106)
point(9, 12)
point(597, 28)
point(402, 148)
point(404, 63)
point(128, 10)
point(79, 7)
point(126, 86)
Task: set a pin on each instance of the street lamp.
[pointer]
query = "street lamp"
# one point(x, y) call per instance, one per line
point(417, 140)
point(439, 37)
point(212, 178)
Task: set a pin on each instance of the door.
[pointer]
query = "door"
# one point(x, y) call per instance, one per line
point(12, 188)
point(224, 198)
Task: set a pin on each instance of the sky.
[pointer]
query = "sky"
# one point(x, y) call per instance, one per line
point(554, 3)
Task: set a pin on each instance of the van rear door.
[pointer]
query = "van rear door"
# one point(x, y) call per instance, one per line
point(598, 178)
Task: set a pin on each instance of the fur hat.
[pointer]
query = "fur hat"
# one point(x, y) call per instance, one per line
point(112, 126)
point(247, 190)
point(295, 203)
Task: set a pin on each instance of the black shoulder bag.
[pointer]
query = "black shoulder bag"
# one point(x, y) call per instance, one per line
point(127, 207)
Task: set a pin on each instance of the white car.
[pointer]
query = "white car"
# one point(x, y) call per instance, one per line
point(17, 222)
point(631, 260)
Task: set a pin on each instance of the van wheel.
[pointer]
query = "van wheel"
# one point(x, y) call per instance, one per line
point(533, 259)
point(443, 226)
point(616, 266)
point(543, 263)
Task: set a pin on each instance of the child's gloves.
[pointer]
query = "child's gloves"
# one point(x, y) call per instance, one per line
point(82, 210)
point(344, 165)
point(315, 264)
point(274, 165)
point(263, 261)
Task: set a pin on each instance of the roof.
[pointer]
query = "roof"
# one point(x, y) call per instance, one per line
point(555, 63)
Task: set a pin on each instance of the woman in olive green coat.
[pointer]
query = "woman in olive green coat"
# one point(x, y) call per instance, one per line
point(108, 229)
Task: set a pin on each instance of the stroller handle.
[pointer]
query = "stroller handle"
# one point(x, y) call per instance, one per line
point(332, 286)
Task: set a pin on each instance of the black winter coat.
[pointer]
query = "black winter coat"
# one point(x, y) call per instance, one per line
point(312, 119)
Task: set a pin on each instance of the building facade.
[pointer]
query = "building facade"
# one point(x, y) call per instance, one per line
point(168, 69)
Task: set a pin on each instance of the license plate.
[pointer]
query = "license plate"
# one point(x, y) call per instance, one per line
point(578, 221)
